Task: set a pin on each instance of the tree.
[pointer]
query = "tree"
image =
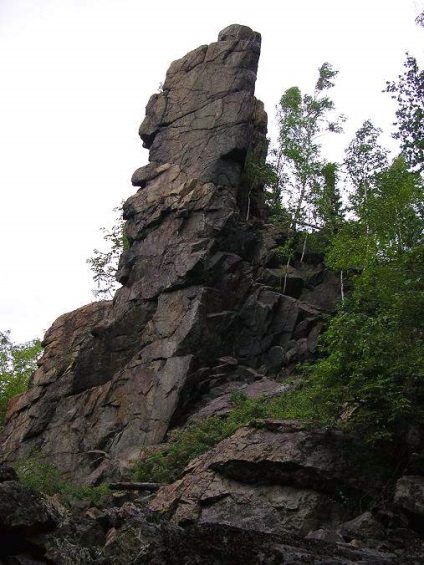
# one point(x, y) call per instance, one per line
point(104, 264)
point(373, 373)
point(364, 160)
point(408, 91)
point(17, 363)
point(303, 119)
point(327, 201)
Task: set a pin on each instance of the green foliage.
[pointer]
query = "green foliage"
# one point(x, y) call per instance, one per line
point(17, 363)
point(166, 463)
point(364, 160)
point(258, 171)
point(327, 201)
point(408, 91)
point(46, 478)
point(104, 264)
point(303, 119)
point(372, 375)
point(389, 226)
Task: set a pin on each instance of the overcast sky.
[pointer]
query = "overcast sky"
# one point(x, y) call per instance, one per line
point(75, 78)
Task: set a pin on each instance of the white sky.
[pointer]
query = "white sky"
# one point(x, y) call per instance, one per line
point(75, 78)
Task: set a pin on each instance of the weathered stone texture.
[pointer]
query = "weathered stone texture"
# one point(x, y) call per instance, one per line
point(281, 477)
point(409, 495)
point(206, 114)
point(207, 309)
point(199, 283)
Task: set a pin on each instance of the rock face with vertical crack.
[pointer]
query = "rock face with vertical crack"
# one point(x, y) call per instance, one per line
point(201, 302)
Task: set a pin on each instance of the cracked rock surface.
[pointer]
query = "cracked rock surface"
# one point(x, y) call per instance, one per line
point(206, 309)
point(201, 284)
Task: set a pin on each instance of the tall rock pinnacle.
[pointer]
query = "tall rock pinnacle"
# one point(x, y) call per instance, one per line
point(192, 313)
point(204, 118)
point(114, 374)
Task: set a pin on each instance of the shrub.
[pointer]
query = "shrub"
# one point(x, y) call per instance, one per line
point(44, 477)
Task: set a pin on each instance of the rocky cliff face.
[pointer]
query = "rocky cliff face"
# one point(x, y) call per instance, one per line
point(201, 303)
point(201, 314)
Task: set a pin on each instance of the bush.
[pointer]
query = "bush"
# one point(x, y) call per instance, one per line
point(45, 478)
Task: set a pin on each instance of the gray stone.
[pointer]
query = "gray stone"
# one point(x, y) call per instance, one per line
point(329, 536)
point(24, 511)
point(115, 376)
point(363, 527)
point(409, 494)
point(278, 477)
point(276, 356)
point(221, 405)
point(7, 473)
point(325, 295)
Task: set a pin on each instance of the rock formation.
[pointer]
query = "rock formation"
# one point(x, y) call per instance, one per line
point(199, 306)
point(227, 514)
point(201, 314)
point(280, 477)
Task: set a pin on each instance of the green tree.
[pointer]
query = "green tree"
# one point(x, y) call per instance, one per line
point(408, 91)
point(373, 373)
point(364, 160)
point(327, 202)
point(103, 264)
point(303, 119)
point(17, 363)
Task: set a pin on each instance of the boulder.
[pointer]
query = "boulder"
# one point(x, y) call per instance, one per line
point(26, 518)
point(409, 494)
point(23, 510)
point(363, 527)
point(409, 499)
point(278, 477)
point(223, 403)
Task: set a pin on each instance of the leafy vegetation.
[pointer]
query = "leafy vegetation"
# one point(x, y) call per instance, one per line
point(103, 264)
point(301, 173)
point(408, 91)
point(370, 375)
point(374, 368)
point(166, 462)
point(17, 363)
point(46, 478)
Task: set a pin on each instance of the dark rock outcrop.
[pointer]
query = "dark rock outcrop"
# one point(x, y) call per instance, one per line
point(280, 477)
point(25, 518)
point(297, 494)
point(34, 529)
point(200, 284)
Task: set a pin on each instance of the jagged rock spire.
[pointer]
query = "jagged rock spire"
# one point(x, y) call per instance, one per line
point(204, 118)
point(113, 374)
point(194, 311)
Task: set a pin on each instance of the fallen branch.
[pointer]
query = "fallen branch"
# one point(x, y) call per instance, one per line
point(135, 486)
